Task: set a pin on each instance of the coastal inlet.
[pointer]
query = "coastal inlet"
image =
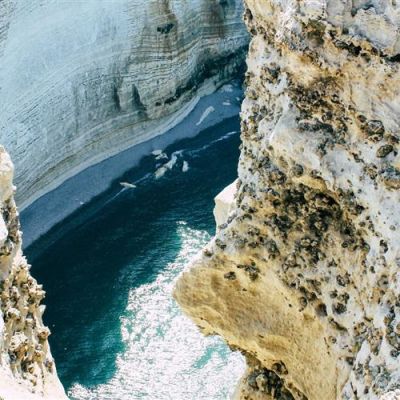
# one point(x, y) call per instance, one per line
point(110, 268)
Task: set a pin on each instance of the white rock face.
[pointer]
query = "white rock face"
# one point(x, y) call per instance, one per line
point(303, 277)
point(27, 369)
point(224, 204)
point(83, 80)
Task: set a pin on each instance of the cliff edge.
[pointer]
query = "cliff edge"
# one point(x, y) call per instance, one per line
point(27, 370)
point(83, 80)
point(303, 275)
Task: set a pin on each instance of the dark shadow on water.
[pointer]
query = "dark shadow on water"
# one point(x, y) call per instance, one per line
point(89, 263)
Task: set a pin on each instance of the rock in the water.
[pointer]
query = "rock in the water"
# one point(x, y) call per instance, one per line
point(185, 166)
point(127, 185)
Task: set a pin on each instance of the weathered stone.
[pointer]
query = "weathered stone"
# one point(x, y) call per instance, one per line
point(22, 369)
point(327, 304)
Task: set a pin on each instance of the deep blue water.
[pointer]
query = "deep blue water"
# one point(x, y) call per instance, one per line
point(109, 271)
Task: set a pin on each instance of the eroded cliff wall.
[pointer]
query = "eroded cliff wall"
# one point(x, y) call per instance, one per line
point(303, 277)
point(27, 369)
point(83, 80)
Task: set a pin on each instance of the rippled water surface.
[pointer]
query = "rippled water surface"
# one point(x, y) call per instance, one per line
point(109, 271)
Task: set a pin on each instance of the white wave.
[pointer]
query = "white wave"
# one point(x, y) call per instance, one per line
point(185, 166)
point(208, 145)
point(165, 356)
point(226, 136)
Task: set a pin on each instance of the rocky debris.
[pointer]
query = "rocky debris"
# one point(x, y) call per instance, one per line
point(314, 225)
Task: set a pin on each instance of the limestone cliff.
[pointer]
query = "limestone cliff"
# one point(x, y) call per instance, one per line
point(27, 369)
point(303, 276)
point(83, 80)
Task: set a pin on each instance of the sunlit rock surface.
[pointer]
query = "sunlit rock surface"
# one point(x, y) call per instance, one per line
point(83, 80)
point(27, 369)
point(224, 203)
point(303, 277)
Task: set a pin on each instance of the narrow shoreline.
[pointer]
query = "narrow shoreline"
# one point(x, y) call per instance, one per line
point(53, 207)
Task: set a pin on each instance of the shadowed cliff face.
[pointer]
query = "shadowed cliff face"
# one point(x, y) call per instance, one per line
point(302, 276)
point(82, 80)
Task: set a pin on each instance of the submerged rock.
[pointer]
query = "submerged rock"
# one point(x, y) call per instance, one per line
point(311, 236)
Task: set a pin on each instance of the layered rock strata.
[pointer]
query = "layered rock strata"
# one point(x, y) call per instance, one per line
point(81, 81)
point(303, 276)
point(27, 369)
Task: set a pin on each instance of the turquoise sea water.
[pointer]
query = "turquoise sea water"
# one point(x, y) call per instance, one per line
point(109, 271)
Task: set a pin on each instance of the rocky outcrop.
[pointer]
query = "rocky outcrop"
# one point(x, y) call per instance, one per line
point(27, 369)
point(83, 80)
point(303, 276)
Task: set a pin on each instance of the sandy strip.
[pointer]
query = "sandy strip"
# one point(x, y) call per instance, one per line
point(50, 209)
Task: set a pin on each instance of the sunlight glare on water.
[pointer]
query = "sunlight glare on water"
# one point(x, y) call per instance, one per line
point(109, 272)
point(164, 349)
